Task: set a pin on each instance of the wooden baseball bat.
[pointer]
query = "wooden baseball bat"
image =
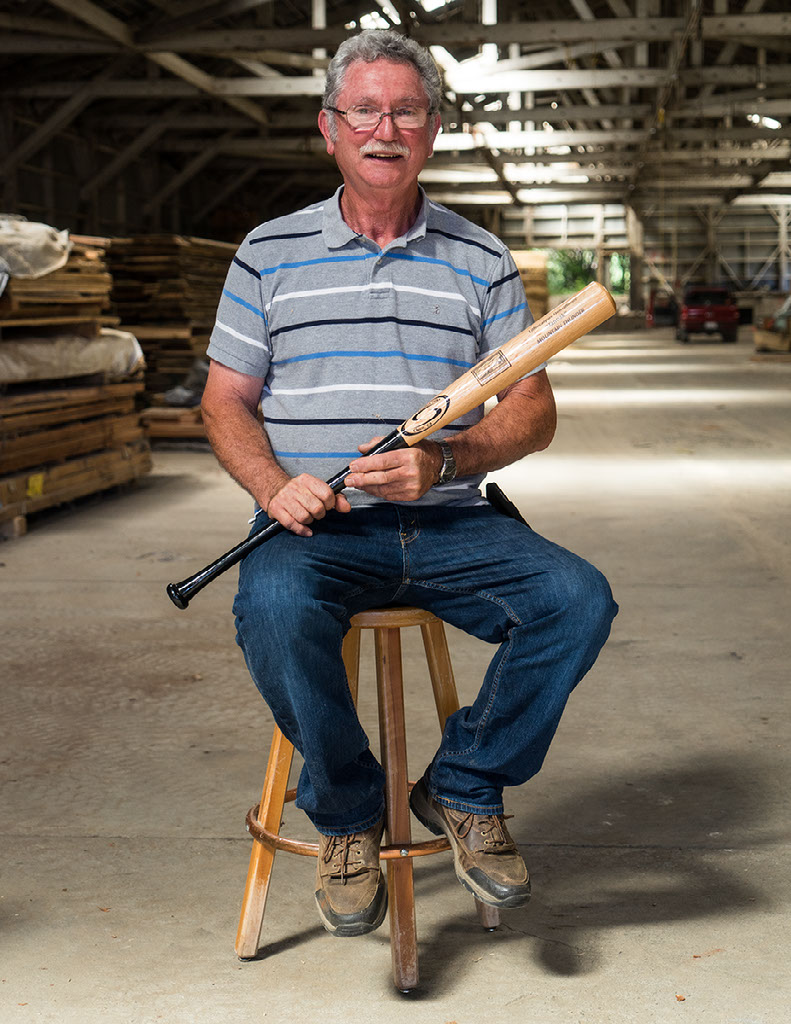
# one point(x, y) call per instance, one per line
point(564, 324)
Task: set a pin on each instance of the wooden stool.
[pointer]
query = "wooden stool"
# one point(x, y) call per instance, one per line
point(263, 821)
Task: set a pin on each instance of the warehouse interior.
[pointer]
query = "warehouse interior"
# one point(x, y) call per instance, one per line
point(643, 144)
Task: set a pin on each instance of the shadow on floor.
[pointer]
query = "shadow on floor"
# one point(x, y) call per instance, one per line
point(665, 859)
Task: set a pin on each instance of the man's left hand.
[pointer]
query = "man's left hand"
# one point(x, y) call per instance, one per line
point(403, 475)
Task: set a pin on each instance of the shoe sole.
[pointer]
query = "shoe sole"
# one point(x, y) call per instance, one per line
point(428, 817)
point(351, 925)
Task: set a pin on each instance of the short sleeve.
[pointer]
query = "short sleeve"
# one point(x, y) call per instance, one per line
point(240, 338)
point(505, 311)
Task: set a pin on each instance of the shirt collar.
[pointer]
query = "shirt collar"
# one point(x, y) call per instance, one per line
point(337, 233)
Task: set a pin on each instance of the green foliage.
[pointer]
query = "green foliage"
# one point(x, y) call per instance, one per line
point(620, 273)
point(568, 270)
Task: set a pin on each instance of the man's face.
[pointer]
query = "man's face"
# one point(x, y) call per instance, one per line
point(362, 155)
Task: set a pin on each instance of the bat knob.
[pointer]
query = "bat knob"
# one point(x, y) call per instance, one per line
point(176, 596)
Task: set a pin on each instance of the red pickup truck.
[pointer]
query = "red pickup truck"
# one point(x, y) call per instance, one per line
point(708, 310)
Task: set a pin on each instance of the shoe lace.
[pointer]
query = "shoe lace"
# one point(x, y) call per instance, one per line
point(344, 856)
point(492, 830)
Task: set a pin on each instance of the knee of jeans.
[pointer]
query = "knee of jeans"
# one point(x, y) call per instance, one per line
point(585, 598)
point(277, 608)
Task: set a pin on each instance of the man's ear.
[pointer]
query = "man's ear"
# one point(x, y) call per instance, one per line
point(324, 128)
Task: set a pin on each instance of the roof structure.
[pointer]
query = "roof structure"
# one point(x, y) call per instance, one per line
point(574, 101)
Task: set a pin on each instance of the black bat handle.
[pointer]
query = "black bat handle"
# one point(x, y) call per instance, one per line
point(182, 593)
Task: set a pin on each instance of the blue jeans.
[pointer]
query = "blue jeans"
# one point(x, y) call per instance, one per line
point(548, 610)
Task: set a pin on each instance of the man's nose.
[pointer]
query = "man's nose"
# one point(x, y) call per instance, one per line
point(386, 129)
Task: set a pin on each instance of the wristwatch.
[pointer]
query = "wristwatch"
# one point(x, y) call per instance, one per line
point(447, 470)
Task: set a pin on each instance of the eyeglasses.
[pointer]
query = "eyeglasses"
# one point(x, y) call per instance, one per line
point(365, 119)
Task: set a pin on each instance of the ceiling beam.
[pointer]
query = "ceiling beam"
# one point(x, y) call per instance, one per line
point(58, 120)
point(187, 173)
point(232, 90)
point(143, 141)
point(459, 33)
point(114, 28)
point(45, 27)
point(199, 13)
point(40, 44)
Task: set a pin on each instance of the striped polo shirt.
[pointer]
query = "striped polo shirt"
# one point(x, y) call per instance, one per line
point(350, 339)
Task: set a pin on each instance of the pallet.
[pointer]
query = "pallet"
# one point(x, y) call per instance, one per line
point(165, 290)
point(168, 423)
point(43, 446)
point(37, 398)
point(771, 341)
point(26, 493)
point(80, 289)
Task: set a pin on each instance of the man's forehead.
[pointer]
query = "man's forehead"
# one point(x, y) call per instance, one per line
point(367, 79)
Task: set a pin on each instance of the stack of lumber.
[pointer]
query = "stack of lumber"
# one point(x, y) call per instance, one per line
point(169, 422)
point(165, 290)
point(532, 267)
point(59, 443)
point(769, 335)
point(78, 292)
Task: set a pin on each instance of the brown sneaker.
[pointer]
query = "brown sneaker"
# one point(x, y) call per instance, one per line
point(485, 856)
point(350, 889)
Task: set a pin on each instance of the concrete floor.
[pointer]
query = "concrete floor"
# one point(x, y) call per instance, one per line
point(658, 831)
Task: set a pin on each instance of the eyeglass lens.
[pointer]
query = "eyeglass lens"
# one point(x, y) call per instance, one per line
point(366, 117)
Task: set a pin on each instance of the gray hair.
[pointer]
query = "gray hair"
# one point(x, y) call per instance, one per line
point(375, 44)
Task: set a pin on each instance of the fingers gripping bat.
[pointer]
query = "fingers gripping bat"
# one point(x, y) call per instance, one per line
point(567, 322)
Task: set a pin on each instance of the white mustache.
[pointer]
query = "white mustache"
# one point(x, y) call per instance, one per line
point(373, 147)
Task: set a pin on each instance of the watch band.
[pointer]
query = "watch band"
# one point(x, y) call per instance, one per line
point(448, 469)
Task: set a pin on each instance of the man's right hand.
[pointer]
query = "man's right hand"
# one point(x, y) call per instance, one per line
point(302, 499)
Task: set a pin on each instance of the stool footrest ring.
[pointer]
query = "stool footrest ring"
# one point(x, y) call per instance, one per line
point(394, 851)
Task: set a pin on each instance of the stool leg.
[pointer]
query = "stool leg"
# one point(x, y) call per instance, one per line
point(392, 731)
point(446, 699)
point(351, 659)
point(262, 857)
point(440, 670)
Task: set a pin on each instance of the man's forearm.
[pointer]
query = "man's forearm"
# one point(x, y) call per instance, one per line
point(242, 447)
point(521, 423)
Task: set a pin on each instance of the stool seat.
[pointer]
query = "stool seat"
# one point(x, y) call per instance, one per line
point(264, 820)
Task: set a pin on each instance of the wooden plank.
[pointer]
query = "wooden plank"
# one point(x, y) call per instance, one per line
point(147, 332)
point(175, 430)
point(62, 484)
point(56, 320)
point(26, 422)
point(16, 487)
point(55, 398)
point(169, 412)
point(42, 447)
point(10, 529)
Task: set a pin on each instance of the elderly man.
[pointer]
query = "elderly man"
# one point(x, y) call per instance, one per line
point(340, 320)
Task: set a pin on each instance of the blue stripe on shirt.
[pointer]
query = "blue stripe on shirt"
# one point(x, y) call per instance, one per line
point(317, 455)
point(508, 312)
point(238, 299)
point(351, 421)
point(389, 354)
point(442, 263)
point(323, 259)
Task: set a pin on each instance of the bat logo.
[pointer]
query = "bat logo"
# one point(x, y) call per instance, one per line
point(426, 417)
point(496, 364)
